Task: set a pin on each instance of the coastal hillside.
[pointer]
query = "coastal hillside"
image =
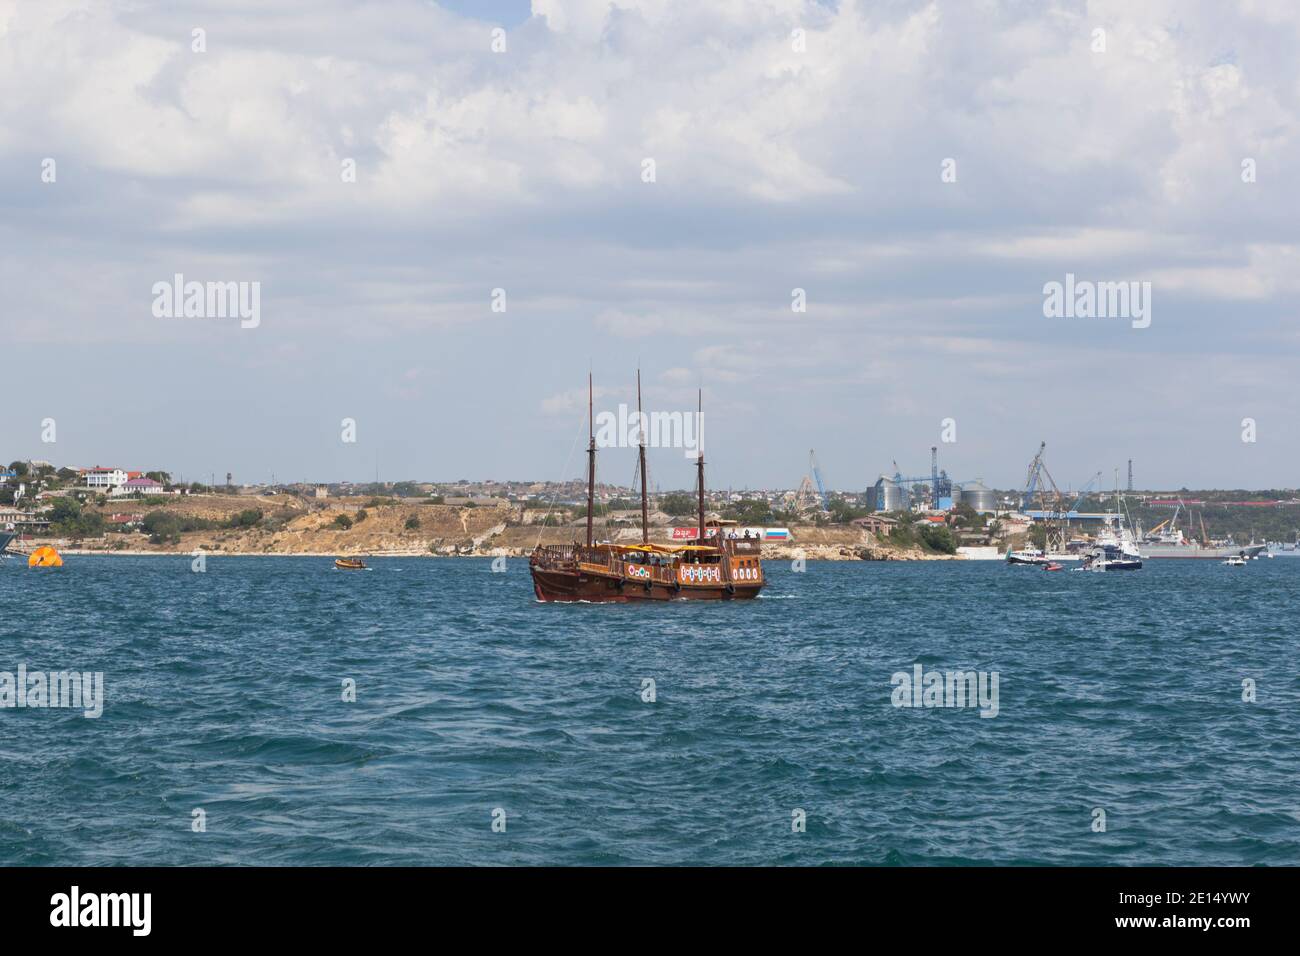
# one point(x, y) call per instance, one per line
point(282, 524)
point(287, 525)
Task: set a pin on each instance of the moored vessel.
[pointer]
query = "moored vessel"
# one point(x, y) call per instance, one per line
point(1197, 549)
point(1116, 548)
point(708, 568)
point(1122, 556)
point(1167, 540)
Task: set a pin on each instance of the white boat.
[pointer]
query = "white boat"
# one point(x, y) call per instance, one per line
point(1116, 548)
point(1113, 558)
point(1236, 561)
point(1026, 556)
point(1036, 556)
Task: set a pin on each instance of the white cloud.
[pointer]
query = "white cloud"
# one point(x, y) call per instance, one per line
point(776, 169)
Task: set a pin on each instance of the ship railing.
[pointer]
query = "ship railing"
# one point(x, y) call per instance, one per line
point(599, 556)
point(553, 555)
point(659, 574)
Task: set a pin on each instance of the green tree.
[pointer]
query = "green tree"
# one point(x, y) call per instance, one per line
point(678, 503)
point(939, 538)
point(904, 532)
point(750, 513)
point(842, 511)
point(161, 527)
point(64, 509)
point(68, 518)
point(89, 525)
point(247, 518)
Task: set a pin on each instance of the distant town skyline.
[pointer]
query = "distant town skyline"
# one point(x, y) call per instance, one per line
point(861, 228)
point(605, 486)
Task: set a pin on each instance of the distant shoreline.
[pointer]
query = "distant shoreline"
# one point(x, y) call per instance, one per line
point(238, 526)
point(812, 554)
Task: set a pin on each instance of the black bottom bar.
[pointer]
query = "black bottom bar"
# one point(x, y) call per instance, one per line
point(337, 905)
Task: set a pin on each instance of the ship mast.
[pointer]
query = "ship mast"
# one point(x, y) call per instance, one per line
point(591, 463)
point(645, 501)
point(699, 432)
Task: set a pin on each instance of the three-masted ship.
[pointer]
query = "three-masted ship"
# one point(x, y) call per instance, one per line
point(716, 568)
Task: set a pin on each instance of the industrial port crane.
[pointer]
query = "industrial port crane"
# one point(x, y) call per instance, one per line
point(1083, 492)
point(1039, 482)
point(817, 476)
point(804, 499)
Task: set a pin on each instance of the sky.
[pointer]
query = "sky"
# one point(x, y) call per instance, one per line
point(921, 171)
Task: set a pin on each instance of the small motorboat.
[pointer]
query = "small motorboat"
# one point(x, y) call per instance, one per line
point(1053, 566)
point(350, 564)
point(1236, 561)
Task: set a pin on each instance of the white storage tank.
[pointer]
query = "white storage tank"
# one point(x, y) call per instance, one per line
point(979, 497)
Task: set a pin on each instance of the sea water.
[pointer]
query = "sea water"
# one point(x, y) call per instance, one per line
point(431, 711)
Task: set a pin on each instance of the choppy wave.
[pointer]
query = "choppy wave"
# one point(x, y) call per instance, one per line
point(225, 693)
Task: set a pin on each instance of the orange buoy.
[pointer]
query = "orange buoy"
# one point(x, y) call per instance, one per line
point(45, 557)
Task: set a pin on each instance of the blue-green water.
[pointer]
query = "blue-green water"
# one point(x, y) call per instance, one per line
point(224, 692)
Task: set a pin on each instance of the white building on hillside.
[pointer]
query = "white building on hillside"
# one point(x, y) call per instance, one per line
point(106, 478)
point(139, 486)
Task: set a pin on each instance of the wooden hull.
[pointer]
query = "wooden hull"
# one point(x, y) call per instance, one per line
point(565, 585)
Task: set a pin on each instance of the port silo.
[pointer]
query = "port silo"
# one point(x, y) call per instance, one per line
point(979, 497)
point(886, 495)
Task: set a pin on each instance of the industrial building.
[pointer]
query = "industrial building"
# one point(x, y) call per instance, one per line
point(935, 491)
point(887, 494)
